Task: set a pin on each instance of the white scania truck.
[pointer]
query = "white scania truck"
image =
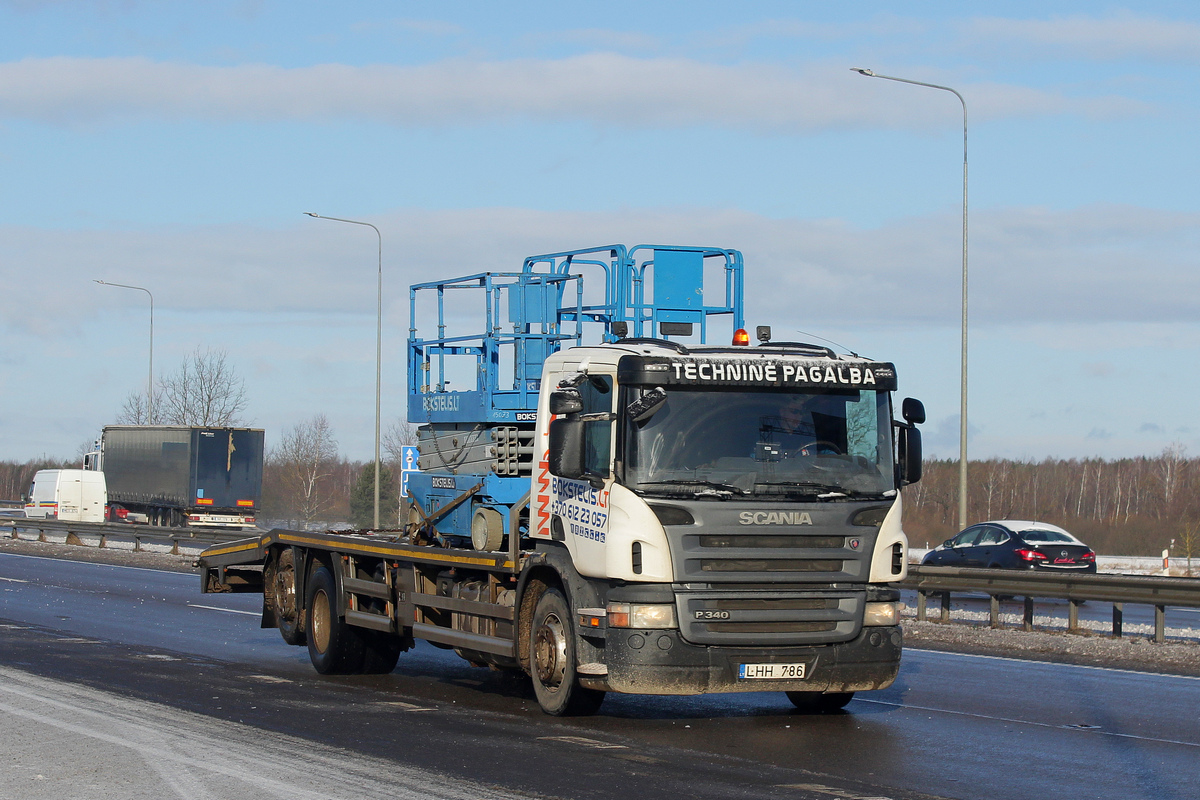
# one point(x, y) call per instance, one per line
point(648, 513)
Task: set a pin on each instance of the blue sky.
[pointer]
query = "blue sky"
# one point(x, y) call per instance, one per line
point(175, 146)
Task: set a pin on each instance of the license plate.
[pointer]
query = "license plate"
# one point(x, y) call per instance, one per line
point(768, 672)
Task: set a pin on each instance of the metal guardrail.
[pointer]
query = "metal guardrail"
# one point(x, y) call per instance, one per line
point(1156, 591)
point(118, 531)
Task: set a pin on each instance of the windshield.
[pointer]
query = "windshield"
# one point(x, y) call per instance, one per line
point(706, 442)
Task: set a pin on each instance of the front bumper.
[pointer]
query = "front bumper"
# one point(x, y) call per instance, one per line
point(661, 662)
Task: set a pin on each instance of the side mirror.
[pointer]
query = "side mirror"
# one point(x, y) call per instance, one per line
point(647, 405)
point(909, 446)
point(565, 447)
point(913, 411)
point(565, 401)
point(948, 543)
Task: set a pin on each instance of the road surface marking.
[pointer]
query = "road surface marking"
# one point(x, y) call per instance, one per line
point(583, 741)
point(408, 706)
point(226, 610)
point(1012, 721)
point(1055, 664)
point(831, 792)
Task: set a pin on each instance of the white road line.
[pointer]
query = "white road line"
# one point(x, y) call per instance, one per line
point(583, 741)
point(411, 707)
point(989, 717)
point(188, 575)
point(831, 792)
point(1056, 664)
point(226, 610)
point(13, 580)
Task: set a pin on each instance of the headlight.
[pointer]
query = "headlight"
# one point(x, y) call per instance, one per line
point(875, 614)
point(636, 615)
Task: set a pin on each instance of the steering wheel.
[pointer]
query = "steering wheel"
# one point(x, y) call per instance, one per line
point(820, 447)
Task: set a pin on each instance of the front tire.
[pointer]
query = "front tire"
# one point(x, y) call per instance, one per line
point(820, 702)
point(334, 647)
point(552, 660)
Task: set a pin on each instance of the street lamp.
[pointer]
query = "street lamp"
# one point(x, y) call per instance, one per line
point(962, 427)
point(378, 346)
point(150, 378)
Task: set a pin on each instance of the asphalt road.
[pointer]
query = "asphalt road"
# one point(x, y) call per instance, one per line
point(213, 706)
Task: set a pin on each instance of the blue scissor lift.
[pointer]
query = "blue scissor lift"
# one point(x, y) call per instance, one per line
point(476, 439)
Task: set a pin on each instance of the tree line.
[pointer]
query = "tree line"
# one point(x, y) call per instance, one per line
point(1127, 506)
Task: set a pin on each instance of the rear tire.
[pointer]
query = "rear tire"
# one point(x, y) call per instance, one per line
point(280, 580)
point(382, 652)
point(334, 647)
point(552, 660)
point(820, 702)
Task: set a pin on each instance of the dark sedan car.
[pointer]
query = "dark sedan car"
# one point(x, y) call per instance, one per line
point(1014, 544)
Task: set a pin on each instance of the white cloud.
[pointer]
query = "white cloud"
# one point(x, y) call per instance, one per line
point(601, 88)
point(1028, 266)
point(1118, 36)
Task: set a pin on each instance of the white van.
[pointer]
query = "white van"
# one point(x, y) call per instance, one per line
point(68, 494)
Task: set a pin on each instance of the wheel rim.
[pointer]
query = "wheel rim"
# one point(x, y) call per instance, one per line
point(550, 652)
point(320, 621)
point(285, 589)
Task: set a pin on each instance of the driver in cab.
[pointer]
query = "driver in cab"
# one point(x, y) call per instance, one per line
point(803, 428)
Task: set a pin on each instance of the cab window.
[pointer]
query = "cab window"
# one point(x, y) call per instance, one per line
point(597, 396)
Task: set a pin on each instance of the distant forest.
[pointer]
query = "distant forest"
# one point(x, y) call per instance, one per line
point(1130, 506)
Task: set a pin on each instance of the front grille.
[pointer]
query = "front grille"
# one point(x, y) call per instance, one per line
point(751, 540)
point(745, 557)
point(769, 565)
point(771, 604)
point(769, 617)
point(771, 627)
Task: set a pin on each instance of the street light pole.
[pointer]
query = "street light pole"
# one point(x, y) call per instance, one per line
point(378, 345)
point(150, 378)
point(962, 414)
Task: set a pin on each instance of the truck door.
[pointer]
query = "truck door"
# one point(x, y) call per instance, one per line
point(581, 509)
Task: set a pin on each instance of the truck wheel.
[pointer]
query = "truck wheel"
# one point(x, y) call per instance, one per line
point(280, 580)
point(819, 702)
point(334, 647)
point(382, 652)
point(552, 660)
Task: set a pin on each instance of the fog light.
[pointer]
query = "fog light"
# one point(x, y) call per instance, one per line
point(875, 614)
point(636, 615)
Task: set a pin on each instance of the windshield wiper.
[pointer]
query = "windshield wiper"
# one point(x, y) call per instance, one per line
point(711, 488)
point(824, 490)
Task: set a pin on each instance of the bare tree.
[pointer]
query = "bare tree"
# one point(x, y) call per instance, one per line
point(306, 459)
point(399, 434)
point(205, 390)
point(136, 410)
